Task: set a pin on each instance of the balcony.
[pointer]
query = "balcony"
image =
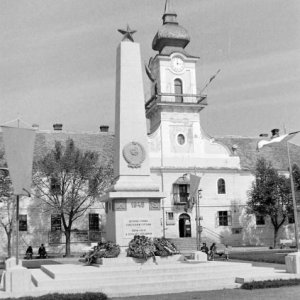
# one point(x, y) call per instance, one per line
point(167, 98)
point(180, 198)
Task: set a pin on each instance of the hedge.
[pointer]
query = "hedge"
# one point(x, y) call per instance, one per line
point(56, 296)
point(269, 284)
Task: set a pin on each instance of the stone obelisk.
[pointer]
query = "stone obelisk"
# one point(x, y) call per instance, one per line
point(133, 201)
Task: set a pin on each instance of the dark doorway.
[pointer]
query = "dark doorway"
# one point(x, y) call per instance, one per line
point(185, 225)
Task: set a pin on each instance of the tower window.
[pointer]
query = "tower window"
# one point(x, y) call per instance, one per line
point(178, 90)
point(221, 186)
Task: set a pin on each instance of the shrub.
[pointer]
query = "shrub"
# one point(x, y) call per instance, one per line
point(269, 284)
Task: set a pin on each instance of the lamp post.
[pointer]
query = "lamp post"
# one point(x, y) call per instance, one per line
point(198, 223)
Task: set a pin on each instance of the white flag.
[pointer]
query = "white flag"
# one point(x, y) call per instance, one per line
point(19, 146)
point(277, 139)
point(194, 186)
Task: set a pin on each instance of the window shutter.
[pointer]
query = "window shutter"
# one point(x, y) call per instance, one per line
point(217, 219)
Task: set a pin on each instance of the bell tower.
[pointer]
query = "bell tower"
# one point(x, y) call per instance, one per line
point(172, 72)
point(174, 106)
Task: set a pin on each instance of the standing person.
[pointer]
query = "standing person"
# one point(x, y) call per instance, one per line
point(213, 249)
point(226, 252)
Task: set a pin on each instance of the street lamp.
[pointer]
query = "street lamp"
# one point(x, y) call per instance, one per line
point(198, 223)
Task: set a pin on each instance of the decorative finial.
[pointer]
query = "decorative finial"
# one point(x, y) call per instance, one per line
point(127, 34)
point(169, 13)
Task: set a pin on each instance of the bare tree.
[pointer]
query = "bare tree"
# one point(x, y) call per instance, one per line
point(8, 208)
point(69, 181)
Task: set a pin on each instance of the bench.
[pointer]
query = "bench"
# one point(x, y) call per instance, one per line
point(285, 242)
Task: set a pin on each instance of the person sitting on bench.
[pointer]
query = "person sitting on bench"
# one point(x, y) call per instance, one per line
point(42, 252)
point(29, 253)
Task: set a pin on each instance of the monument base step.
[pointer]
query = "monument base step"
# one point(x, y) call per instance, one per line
point(132, 279)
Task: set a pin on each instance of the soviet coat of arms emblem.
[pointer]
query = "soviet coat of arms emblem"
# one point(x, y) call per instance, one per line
point(134, 154)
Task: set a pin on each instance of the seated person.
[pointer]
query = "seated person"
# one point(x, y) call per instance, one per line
point(204, 248)
point(42, 252)
point(29, 253)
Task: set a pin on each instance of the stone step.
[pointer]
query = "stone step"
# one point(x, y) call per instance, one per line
point(139, 277)
point(60, 271)
point(144, 288)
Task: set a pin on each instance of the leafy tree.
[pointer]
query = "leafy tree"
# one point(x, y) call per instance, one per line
point(68, 181)
point(270, 195)
point(8, 206)
point(296, 176)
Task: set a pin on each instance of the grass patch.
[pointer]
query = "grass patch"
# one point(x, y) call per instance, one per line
point(268, 256)
point(269, 284)
point(56, 296)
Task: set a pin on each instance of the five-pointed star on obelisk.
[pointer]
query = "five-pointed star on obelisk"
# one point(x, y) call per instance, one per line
point(127, 34)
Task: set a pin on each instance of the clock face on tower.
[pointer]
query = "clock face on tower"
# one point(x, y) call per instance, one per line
point(177, 64)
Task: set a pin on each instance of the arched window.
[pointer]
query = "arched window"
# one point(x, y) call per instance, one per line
point(221, 186)
point(178, 90)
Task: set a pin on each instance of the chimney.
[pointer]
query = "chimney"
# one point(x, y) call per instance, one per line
point(57, 127)
point(104, 128)
point(35, 126)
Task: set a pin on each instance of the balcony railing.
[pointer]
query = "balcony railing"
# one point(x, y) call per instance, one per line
point(192, 99)
point(180, 198)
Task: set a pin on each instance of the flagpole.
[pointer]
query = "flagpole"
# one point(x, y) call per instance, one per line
point(17, 233)
point(294, 198)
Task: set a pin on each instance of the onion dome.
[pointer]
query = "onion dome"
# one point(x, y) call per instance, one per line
point(170, 34)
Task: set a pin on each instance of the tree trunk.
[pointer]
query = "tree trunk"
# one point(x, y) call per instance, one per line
point(68, 242)
point(276, 229)
point(9, 244)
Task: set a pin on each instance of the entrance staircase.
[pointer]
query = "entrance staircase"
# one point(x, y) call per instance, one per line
point(184, 245)
point(189, 244)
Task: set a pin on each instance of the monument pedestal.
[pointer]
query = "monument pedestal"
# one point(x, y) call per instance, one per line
point(292, 263)
point(15, 279)
point(132, 215)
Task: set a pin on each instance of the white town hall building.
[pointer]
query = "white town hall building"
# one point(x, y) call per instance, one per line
point(178, 146)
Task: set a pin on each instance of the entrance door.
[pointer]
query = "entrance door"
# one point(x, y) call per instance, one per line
point(184, 225)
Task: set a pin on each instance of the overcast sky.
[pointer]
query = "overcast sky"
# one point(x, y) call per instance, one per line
point(57, 60)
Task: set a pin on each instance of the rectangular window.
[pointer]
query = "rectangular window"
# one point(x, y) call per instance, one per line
point(55, 222)
point(181, 193)
point(170, 218)
point(224, 218)
point(260, 220)
point(55, 186)
point(94, 222)
point(291, 219)
point(22, 222)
